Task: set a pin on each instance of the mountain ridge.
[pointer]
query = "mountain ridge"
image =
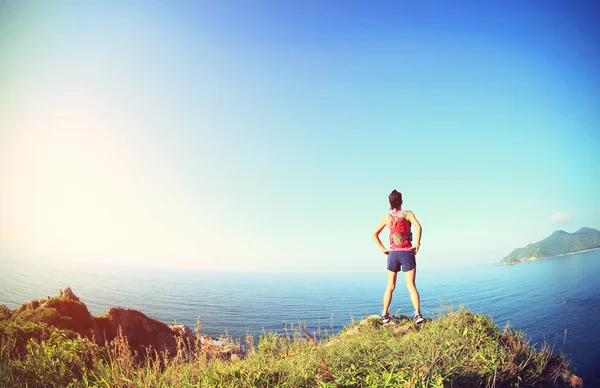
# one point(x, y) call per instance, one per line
point(558, 243)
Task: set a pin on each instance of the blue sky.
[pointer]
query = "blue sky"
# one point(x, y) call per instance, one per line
point(265, 136)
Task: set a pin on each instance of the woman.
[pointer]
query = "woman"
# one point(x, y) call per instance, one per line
point(401, 254)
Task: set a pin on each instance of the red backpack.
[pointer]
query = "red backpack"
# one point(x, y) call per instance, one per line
point(400, 234)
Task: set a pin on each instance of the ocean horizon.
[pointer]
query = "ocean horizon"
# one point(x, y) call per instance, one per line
point(554, 301)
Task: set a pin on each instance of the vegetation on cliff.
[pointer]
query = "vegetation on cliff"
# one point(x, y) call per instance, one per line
point(558, 243)
point(456, 348)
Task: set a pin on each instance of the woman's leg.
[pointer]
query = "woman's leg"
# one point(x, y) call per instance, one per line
point(387, 296)
point(412, 290)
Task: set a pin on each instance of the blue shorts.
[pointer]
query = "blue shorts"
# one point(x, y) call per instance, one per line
point(404, 260)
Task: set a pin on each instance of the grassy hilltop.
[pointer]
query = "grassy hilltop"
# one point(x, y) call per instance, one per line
point(456, 348)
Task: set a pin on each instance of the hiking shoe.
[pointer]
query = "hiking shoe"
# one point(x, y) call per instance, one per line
point(385, 318)
point(419, 318)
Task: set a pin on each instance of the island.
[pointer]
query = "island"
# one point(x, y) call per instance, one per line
point(558, 243)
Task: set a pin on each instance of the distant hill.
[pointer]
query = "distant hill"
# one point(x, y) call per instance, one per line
point(558, 243)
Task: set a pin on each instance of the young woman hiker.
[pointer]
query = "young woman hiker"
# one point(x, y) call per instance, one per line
point(401, 254)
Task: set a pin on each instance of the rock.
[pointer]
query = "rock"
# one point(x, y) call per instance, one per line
point(375, 320)
point(68, 293)
point(576, 382)
point(32, 305)
point(188, 338)
point(184, 332)
point(402, 329)
point(221, 348)
point(370, 319)
point(141, 331)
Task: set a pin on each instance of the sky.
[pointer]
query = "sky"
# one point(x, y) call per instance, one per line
point(266, 136)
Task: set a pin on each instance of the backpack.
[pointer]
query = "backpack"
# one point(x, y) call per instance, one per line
point(400, 234)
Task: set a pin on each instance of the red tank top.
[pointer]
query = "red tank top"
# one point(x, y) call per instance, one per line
point(400, 234)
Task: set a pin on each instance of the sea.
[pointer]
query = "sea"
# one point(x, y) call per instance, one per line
point(554, 301)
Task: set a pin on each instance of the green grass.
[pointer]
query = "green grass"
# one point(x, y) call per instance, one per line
point(457, 348)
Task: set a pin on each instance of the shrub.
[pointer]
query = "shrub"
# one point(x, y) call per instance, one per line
point(5, 313)
point(55, 362)
point(15, 335)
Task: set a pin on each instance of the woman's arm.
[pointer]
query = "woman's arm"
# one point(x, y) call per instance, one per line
point(376, 233)
point(413, 220)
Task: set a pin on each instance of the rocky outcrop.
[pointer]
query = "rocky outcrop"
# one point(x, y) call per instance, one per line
point(576, 382)
point(141, 332)
point(184, 332)
point(68, 293)
point(63, 312)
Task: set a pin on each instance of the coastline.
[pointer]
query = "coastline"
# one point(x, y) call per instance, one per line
point(551, 257)
point(572, 253)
